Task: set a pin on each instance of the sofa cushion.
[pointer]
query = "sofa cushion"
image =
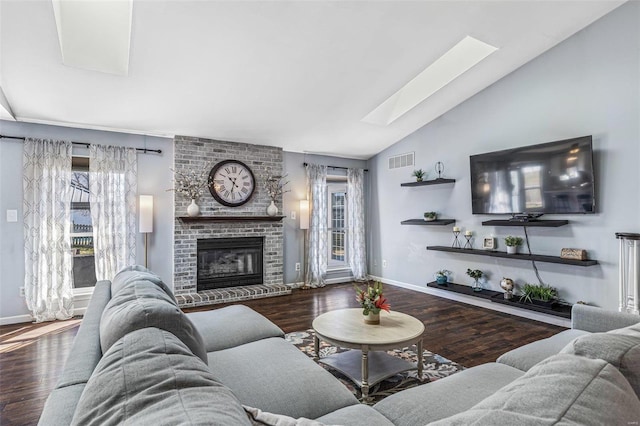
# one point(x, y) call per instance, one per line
point(275, 376)
point(86, 345)
point(135, 273)
point(448, 396)
point(232, 326)
point(142, 304)
point(563, 389)
point(525, 357)
point(621, 348)
point(355, 415)
point(60, 405)
point(149, 377)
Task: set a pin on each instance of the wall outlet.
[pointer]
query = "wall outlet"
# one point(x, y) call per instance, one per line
point(375, 262)
point(298, 266)
point(21, 291)
point(293, 215)
point(384, 263)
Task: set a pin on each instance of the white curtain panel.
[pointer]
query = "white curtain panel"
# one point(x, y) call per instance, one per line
point(46, 184)
point(356, 246)
point(317, 257)
point(113, 186)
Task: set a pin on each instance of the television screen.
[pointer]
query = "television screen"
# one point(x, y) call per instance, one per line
point(552, 178)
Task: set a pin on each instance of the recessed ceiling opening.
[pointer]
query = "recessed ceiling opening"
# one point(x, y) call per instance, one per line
point(455, 62)
point(95, 35)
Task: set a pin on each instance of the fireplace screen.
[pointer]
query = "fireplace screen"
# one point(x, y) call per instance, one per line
point(229, 262)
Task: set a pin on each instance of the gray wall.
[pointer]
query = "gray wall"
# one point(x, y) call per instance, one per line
point(154, 178)
point(293, 236)
point(587, 85)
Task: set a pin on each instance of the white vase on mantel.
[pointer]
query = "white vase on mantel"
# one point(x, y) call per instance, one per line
point(193, 209)
point(272, 210)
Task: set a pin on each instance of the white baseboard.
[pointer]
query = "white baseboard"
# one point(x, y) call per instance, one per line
point(16, 319)
point(475, 301)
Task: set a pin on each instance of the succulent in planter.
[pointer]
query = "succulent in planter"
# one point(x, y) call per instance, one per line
point(512, 243)
point(430, 216)
point(419, 174)
point(442, 276)
point(539, 294)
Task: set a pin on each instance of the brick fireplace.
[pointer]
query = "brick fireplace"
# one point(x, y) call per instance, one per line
point(202, 154)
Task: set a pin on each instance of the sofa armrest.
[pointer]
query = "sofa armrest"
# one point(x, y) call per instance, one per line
point(595, 320)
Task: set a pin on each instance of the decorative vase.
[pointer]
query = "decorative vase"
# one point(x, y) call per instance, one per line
point(441, 279)
point(372, 318)
point(272, 210)
point(193, 209)
point(476, 285)
point(512, 249)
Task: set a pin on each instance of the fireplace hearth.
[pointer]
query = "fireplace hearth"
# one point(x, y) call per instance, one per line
point(229, 262)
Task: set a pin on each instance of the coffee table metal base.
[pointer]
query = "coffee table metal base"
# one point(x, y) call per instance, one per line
point(381, 366)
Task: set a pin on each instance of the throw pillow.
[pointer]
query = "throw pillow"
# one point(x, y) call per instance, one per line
point(260, 418)
point(149, 377)
point(563, 389)
point(620, 348)
point(143, 304)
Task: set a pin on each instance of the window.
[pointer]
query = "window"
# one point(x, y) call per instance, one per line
point(84, 272)
point(337, 229)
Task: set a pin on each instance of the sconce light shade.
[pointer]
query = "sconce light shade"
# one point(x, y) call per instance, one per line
point(304, 214)
point(145, 222)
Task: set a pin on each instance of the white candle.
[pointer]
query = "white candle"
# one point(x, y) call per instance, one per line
point(456, 229)
point(468, 233)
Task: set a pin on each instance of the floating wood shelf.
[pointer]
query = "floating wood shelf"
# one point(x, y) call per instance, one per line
point(438, 181)
point(230, 218)
point(501, 254)
point(559, 309)
point(428, 222)
point(465, 289)
point(531, 223)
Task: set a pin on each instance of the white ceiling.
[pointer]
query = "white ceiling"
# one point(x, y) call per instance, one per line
point(296, 74)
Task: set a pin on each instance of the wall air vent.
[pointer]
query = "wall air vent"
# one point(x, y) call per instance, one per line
point(401, 160)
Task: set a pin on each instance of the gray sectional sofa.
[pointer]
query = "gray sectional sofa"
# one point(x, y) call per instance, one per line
point(138, 359)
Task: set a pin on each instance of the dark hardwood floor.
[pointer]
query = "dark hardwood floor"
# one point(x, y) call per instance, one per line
point(32, 356)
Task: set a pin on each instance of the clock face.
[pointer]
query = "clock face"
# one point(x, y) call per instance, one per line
point(232, 183)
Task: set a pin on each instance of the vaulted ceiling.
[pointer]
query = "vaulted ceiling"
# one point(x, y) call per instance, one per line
point(300, 75)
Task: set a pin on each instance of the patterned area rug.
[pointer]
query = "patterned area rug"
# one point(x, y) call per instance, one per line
point(435, 367)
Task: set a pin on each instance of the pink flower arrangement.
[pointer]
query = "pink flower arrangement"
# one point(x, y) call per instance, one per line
point(371, 299)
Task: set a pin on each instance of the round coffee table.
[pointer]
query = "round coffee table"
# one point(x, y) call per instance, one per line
point(366, 365)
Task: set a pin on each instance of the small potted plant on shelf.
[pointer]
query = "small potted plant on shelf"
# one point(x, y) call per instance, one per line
point(512, 243)
point(430, 216)
point(419, 175)
point(442, 276)
point(476, 274)
point(539, 294)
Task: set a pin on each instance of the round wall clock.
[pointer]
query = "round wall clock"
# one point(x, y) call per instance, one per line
point(232, 183)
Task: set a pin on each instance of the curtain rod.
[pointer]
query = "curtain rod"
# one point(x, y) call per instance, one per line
point(334, 167)
point(87, 144)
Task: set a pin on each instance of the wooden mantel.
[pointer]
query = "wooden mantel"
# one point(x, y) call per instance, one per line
point(230, 218)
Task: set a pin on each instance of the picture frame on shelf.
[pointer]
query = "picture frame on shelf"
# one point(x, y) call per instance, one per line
point(489, 243)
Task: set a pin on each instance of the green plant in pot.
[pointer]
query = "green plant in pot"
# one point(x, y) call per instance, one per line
point(512, 244)
point(419, 174)
point(476, 274)
point(430, 216)
point(442, 276)
point(539, 294)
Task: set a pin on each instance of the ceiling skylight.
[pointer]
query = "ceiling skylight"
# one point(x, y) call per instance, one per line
point(459, 59)
point(95, 35)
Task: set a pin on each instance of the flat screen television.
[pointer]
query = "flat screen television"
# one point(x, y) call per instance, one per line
point(550, 178)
